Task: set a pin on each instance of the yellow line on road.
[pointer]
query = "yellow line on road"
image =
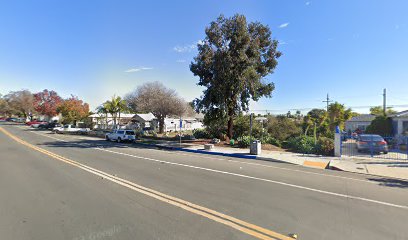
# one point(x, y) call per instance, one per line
point(245, 227)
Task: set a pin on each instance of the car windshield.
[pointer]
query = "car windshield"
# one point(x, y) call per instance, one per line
point(369, 138)
point(130, 133)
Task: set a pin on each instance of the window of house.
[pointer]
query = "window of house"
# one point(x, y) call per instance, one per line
point(405, 127)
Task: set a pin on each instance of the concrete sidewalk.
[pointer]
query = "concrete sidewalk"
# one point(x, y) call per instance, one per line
point(378, 167)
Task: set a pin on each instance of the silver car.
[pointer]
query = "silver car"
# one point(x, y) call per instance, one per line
point(371, 143)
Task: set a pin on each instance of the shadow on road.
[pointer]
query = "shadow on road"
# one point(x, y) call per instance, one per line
point(83, 143)
point(388, 163)
point(390, 182)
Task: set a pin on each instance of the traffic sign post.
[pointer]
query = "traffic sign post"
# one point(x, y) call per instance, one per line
point(181, 125)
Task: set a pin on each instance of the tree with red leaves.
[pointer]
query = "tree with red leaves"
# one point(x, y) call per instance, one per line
point(73, 110)
point(46, 102)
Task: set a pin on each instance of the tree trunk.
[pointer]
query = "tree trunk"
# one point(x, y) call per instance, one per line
point(230, 127)
point(161, 124)
point(119, 119)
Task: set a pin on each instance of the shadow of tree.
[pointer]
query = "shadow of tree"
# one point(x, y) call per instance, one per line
point(390, 182)
point(84, 143)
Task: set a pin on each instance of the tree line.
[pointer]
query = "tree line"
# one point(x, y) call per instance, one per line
point(46, 103)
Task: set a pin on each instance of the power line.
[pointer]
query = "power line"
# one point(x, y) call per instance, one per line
point(327, 101)
point(310, 108)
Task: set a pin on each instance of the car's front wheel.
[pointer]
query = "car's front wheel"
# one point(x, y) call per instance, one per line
point(119, 140)
point(107, 138)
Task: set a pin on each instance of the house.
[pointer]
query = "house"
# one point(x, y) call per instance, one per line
point(360, 122)
point(400, 123)
point(187, 123)
point(106, 121)
point(143, 120)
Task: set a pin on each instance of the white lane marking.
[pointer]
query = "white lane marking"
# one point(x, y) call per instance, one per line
point(247, 163)
point(256, 178)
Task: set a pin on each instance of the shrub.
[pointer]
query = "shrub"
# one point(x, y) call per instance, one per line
point(381, 125)
point(271, 140)
point(325, 146)
point(244, 141)
point(282, 128)
point(302, 144)
point(201, 133)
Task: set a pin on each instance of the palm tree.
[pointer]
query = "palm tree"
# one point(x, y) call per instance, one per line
point(103, 110)
point(115, 106)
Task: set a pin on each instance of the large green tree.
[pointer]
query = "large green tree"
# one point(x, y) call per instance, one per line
point(315, 119)
point(381, 125)
point(232, 62)
point(338, 115)
point(379, 111)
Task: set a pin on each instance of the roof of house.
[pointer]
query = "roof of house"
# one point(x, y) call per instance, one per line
point(400, 114)
point(145, 116)
point(362, 118)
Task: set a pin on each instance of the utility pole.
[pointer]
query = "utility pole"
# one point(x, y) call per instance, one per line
point(385, 101)
point(327, 101)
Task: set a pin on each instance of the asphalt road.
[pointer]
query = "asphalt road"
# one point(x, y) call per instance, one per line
point(77, 187)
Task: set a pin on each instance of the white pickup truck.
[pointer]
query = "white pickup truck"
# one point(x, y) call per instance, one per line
point(121, 135)
point(69, 128)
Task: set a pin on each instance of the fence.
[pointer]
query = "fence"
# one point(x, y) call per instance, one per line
point(374, 146)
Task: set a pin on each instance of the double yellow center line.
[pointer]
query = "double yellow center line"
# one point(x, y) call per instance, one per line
point(248, 228)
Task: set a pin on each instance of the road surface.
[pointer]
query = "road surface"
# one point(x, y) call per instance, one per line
point(78, 188)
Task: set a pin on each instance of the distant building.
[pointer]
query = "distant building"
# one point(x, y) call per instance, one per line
point(146, 120)
point(106, 121)
point(360, 122)
point(143, 120)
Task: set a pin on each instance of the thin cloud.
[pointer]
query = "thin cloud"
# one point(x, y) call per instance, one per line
point(131, 70)
point(181, 61)
point(307, 3)
point(187, 47)
point(283, 25)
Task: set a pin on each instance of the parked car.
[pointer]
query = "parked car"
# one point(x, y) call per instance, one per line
point(121, 135)
point(371, 143)
point(11, 119)
point(35, 122)
point(69, 128)
point(36, 125)
point(3, 119)
point(49, 125)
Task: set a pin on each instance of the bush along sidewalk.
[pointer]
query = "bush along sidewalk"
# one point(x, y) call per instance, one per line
point(307, 145)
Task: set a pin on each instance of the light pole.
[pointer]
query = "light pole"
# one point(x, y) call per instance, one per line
point(261, 119)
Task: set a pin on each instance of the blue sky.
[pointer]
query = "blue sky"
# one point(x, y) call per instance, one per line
point(94, 49)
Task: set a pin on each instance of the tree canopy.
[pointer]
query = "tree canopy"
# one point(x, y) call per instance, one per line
point(381, 125)
point(73, 110)
point(379, 111)
point(19, 102)
point(231, 64)
point(161, 101)
point(46, 102)
point(115, 106)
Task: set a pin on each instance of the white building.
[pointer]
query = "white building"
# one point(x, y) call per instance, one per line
point(360, 122)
